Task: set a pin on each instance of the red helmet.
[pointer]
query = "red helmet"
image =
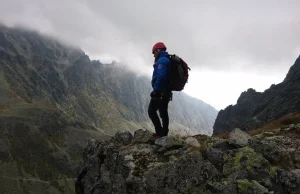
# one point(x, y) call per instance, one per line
point(158, 45)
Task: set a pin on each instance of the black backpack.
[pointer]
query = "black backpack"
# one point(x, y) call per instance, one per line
point(179, 73)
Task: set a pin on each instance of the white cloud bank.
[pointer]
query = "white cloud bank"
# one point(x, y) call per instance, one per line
point(230, 45)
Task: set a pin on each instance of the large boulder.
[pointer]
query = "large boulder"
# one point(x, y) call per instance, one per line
point(286, 181)
point(183, 175)
point(168, 166)
point(169, 142)
point(245, 163)
point(142, 136)
point(123, 138)
point(192, 142)
point(269, 150)
point(239, 137)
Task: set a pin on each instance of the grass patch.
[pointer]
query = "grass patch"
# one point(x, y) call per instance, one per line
point(223, 135)
point(292, 118)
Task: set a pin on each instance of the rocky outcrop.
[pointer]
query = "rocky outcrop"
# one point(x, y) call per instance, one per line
point(254, 109)
point(240, 164)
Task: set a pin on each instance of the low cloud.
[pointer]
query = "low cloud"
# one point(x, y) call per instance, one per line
point(261, 37)
point(214, 35)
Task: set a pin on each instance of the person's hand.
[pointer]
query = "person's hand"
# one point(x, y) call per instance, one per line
point(155, 94)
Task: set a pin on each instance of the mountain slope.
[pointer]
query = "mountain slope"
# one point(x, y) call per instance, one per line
point(40, 149)
point(53, 99)
point(38, 68)
point(253, 109)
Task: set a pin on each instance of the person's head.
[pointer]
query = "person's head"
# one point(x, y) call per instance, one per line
point(157, 48)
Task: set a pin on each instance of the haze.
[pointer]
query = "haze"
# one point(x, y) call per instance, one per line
point(230, 45)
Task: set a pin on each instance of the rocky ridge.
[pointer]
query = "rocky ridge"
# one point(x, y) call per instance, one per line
point(254, 109)
point(265, 163)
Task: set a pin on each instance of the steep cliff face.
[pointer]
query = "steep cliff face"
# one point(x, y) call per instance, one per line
point(53, 99)
point(253, 109)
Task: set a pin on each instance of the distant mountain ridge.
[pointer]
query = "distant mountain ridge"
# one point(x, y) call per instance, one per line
point(53, 99)
point(45, 69)
point(254, 109)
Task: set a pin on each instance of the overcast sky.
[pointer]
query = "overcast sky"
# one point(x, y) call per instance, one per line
point(229, 45)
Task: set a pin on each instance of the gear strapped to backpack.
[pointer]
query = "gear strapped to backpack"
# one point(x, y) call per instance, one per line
point(179, 73)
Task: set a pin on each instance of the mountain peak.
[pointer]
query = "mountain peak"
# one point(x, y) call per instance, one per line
point(294, 71)
point(254, 109)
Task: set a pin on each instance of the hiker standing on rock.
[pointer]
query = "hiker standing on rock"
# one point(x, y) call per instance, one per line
point(161, 94)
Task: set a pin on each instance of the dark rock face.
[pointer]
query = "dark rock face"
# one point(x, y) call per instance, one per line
point(184, 175)
point(171, 165)
point(253, 109)
point(268, 150)
point(144, 168)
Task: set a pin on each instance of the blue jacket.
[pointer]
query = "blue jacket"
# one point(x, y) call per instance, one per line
point(161, 72)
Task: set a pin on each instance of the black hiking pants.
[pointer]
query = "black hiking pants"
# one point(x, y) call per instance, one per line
point(161, 105)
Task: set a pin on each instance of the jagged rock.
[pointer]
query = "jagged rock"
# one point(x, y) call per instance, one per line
point(276, 131)
point(192, 142)
point(169, 142)
point(107, 169)
point(138, 149)
point(268, 150)
point(91, 148)
point(241, 186)
point(114, 168)
point(123, 138)
point(128, 157)
point(202, 139)
point(246, 186)
point(162, 150)
point(296, 171)
point(265, 134)
point(291, 127)
point(245, 163)
point(215, 156)
point(254, 109)
point(173, 152)
point(142, 136)
point(180, 176)
point(144, 168)
point(239, 137)
point(275, 138)
point(226, 144)
point(281, 150)
point(230, 189)
point(296, 159)
point(267, 182)
point(103, 186)
point(222, 187)
point(289, 181)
